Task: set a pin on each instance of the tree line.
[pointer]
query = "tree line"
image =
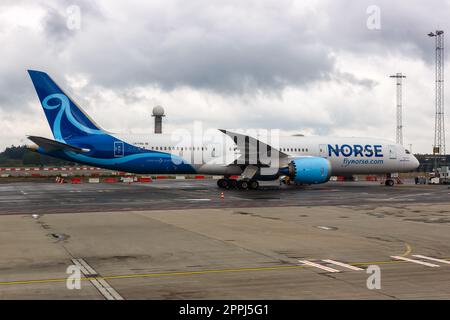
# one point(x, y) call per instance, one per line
point(16, 156)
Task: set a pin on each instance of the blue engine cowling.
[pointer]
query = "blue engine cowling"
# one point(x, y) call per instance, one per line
point(309, 170)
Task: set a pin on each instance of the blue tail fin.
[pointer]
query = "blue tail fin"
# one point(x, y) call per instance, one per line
point(66, 119)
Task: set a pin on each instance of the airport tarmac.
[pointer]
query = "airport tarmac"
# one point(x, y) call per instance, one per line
point(46, 198)
point(179, 240)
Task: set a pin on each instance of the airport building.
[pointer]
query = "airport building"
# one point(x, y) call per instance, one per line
point(427, 162)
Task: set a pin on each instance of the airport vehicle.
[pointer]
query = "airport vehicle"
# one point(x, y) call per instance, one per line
point(298, 159)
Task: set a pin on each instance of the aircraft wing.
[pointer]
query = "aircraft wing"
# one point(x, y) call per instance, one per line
point(52, 145)
point(251, 148)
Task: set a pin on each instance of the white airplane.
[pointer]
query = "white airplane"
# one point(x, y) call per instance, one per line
point(297, 159)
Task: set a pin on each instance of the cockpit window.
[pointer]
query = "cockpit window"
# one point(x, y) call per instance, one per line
point(407, 151)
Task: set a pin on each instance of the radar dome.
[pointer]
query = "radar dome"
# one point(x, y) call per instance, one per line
point(158, 111)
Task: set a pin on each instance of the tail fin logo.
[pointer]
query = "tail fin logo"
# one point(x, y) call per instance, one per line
point(64, 108)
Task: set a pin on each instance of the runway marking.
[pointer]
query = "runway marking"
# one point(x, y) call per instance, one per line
point(102, 286)
point(312, 264)
point(416, 261)
point(189, 273)
point(345, 265)
point(408, 250)
point(89, 271)
point(198, 199)
point(430, 258)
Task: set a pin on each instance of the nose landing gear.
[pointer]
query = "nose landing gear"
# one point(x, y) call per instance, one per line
point(391, 179)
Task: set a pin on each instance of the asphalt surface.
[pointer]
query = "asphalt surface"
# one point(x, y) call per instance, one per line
point(44, 198)
point(179, 240)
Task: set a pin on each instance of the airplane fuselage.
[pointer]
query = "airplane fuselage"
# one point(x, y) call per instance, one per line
point(217, 154)
point(255, 156)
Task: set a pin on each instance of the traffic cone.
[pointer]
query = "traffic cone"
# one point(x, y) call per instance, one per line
point(222, 196)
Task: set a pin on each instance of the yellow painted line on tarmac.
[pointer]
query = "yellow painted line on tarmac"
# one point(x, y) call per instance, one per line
point(188, 273)
point(408, 250)
point(147, 275)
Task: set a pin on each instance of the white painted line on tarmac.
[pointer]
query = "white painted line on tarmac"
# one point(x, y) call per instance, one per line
point(312, 264)
point(110, 289)
point(102, 286)
point(89, 269)
point(415, 261)
point(102, 290)
point(345, 265)
point(431, 258)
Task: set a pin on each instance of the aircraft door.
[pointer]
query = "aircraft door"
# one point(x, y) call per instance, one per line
point(392, 152)
point(323, 150)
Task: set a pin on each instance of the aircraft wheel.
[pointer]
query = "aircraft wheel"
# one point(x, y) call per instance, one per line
point(389, 183)
point(233, 183)
point(243, 184)
point(254, 184)
point(222, 183)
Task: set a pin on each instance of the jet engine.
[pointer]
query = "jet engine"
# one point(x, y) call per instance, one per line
point(309, 170)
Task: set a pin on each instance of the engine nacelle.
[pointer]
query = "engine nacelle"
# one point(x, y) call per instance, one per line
point(309, 170)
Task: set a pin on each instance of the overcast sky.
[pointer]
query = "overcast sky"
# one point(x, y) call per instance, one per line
point(311, 67)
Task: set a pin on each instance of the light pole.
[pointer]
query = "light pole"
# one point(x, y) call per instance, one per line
point(399, 132)
point(439, 129)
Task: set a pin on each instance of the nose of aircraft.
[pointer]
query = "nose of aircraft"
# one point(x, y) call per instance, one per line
point(415, 163)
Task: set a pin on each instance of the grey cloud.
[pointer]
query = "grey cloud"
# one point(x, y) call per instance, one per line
point(230, 48)
point(352, 79)
point(404, 27)
point(233, 48)
point(225, 55)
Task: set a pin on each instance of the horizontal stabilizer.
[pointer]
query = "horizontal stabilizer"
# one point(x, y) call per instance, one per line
point(52, 145)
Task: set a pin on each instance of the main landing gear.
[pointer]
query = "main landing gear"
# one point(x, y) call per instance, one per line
point(227, 183)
